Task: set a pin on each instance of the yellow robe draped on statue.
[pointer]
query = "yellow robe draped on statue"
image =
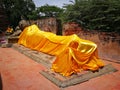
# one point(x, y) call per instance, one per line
point(73, 54)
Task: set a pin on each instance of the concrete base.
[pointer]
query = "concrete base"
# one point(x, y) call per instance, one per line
point(13, 39)
point(78, 78)
point(56, 78)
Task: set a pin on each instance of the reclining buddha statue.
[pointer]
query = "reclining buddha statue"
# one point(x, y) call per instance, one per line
point(73, 54)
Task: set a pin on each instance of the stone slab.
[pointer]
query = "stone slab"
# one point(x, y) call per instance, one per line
point(77, 78)
point(56, 78)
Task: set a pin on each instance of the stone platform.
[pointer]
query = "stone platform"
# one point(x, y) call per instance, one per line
point(56, 78)
point(13, 39)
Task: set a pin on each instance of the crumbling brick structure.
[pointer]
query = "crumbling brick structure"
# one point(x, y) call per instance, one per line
point(71, 28)
point(49, 25)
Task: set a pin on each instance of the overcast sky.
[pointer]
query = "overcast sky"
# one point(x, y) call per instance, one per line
point(58, 3)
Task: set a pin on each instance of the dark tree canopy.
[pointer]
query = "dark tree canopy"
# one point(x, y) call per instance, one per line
point(49, 11)
point(103, 15)
point(17, 9)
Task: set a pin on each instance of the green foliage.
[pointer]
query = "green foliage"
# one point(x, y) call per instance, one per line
point(101, 15)
point(49, 11)
point(34, 15)
point(17, 9)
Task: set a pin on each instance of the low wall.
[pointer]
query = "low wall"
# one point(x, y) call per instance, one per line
point(47, 24)
point(108, 46)
point(50, 25)
point(108, 43)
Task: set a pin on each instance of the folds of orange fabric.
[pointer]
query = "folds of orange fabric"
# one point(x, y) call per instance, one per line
point(73, 54)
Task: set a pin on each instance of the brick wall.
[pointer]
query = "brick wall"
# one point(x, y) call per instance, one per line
point(49, 25)
point(71, 28)
point(108, 43)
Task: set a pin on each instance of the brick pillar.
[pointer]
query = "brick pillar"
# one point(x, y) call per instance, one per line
point(71, 28)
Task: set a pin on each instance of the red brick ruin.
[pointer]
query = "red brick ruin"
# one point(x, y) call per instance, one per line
point(108, 43)
point(49, 24)
point(71, 28)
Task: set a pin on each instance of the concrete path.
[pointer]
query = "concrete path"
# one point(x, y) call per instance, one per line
point(19, 72)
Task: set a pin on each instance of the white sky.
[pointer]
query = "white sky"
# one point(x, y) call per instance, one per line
point(58, 3)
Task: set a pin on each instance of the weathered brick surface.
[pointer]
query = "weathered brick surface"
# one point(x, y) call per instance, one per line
point(108, 44)
point(49, 25)
point(71, 28)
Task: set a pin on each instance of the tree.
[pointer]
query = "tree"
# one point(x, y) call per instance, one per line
point(17, 9)
point(49, 11)
point(3, 19)
point(34, 15)
point(73, 12)
point(103, 15)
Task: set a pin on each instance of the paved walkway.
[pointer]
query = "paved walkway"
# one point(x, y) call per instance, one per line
point(19, 72)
